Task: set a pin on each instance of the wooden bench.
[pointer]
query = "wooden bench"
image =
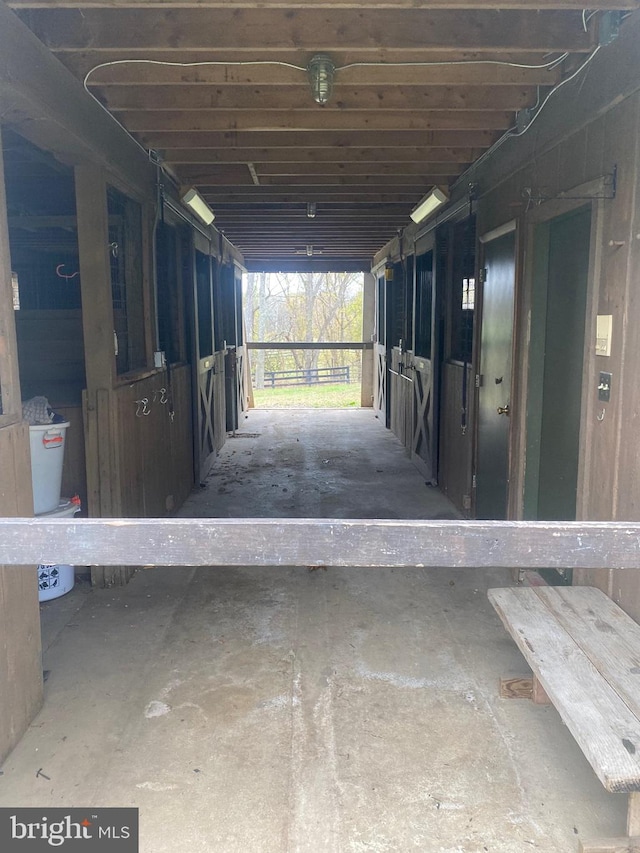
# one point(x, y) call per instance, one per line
point(584, 652)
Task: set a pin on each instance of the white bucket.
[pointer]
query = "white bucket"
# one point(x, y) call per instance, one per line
point(47, 455)
point(56, 579)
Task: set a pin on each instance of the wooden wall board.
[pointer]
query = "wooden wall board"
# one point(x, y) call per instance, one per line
point(10, 407)
point(20, 644)
point(51, 355)
point(627, 492)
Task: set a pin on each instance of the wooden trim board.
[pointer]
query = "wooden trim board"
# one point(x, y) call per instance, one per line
point(318, 542)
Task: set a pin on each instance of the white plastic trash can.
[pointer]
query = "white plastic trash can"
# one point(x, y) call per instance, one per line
point(56, 579)
point(47, 455)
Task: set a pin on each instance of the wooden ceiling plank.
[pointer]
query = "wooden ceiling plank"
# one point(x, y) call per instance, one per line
point(127, 98)
point(316, 140)
point(315, 119)
point(228, 141)
point(203, 175)
point(336, 180)
point(309, 28)
point(262, 156)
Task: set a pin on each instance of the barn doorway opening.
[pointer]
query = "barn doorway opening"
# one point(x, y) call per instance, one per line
point(304, 335)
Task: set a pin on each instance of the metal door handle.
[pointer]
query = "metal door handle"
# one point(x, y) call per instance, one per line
point(504, 410)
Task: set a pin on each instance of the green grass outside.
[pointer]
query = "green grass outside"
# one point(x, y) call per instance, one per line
point(308, 397)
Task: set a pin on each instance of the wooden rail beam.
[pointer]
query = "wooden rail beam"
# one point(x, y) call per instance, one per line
point(286, 345)
point(376, 543)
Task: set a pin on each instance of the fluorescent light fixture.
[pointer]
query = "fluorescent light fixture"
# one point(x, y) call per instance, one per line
point(196, 204)
point(429, 204)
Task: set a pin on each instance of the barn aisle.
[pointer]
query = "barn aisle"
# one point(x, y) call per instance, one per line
point(285, 710)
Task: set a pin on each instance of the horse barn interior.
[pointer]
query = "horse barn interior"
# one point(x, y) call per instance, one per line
point(280, 638)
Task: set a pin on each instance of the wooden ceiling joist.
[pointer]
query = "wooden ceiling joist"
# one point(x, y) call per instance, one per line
point(309, 29)
point(260, 157)
point(258, 148)
point(123, 98)
point(314, 119)
point(235, 77)
point(455, 65)
point(272, 140)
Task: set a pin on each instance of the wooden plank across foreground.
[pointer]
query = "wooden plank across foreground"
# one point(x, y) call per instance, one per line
point(585, 651)
point(319, 542)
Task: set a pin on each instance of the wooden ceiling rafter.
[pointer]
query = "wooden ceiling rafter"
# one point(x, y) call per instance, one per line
point(250, 137)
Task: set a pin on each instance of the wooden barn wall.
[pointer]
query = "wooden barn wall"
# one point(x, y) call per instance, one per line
point(156, 457)
point(20, 644)
point(609, 477)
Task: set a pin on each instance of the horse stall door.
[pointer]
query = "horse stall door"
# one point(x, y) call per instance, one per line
point(496, 336)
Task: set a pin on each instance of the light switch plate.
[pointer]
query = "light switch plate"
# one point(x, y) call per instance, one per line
point(604, 328)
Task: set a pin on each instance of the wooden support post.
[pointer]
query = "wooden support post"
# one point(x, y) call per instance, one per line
point(10, 403)
point(100, 404)
point(368, 326)
point(20, 647)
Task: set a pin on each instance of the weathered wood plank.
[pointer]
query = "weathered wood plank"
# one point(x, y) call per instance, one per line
point(610, 845)
point(332, 542)
point(319, 4)
point(606, 731)
point(607, 636)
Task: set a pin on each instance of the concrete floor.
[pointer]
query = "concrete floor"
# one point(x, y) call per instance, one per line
point(271, 710)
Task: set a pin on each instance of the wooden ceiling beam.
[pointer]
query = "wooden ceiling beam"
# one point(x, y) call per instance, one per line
point(231, 140)
point(127, 98)
point(276, 173)
point(79, 62)
point(309, 29)
point(317, 181)
point(234, 77)
point(261, 156)
point(314, 119)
